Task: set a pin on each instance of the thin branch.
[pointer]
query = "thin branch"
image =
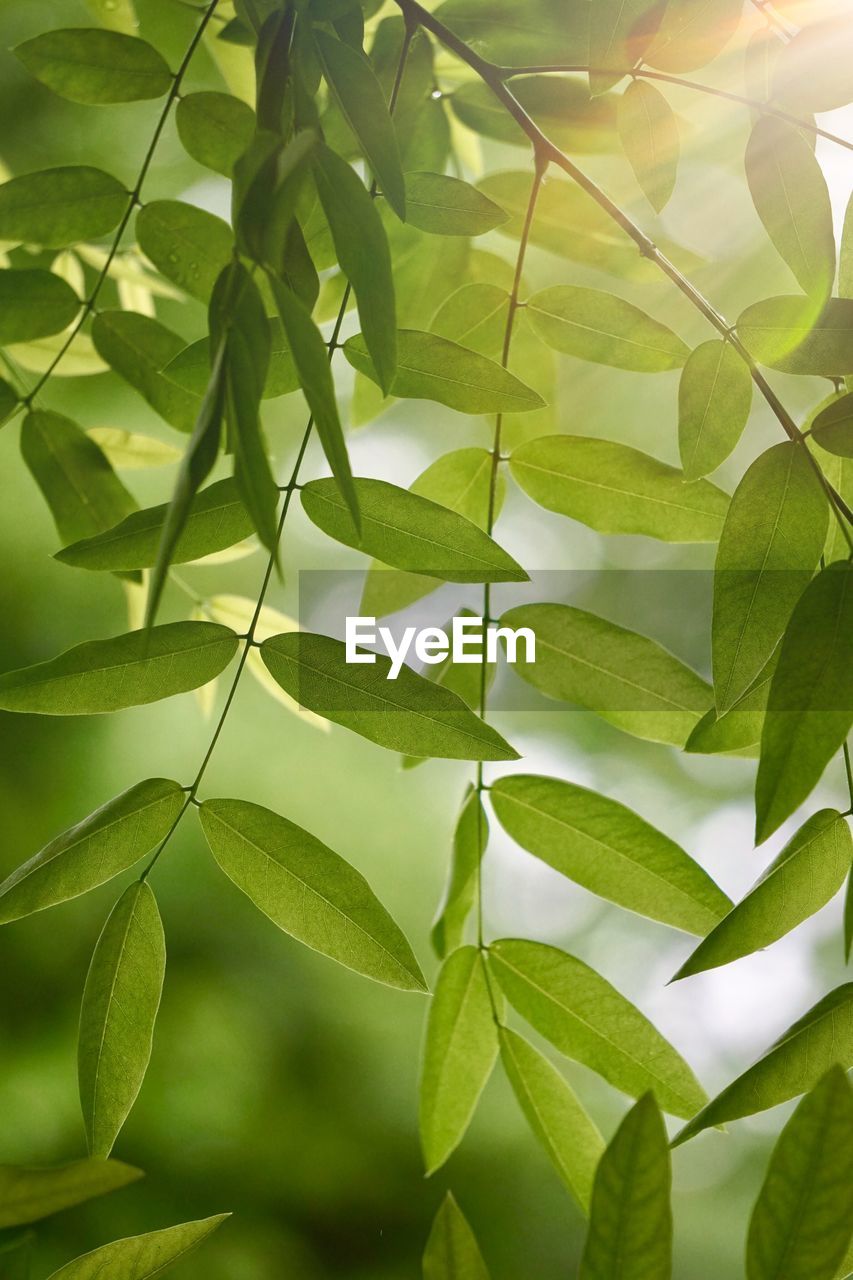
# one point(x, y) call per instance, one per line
point(132, 201)
point(765, 8)
point(644, 73)
point(548, 152)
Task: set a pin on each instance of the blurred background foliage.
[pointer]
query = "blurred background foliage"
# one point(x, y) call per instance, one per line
point(282, 1087)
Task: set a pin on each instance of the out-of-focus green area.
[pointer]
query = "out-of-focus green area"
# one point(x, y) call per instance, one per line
point(283, 1088)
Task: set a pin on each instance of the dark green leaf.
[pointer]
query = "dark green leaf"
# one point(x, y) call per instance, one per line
point(792, 1065)
point(833, 427)
point(217, 519)
point(308, 891)
point(120, 1003)
point(693, 32)
point(714, 400)
point(409, 714)
point(432, 368)
point(791, 197)
point(85, 64)
point(125, 671)
point(359, 97)
point(469, 844)
point(502, 31)
point(215, 128)
point(770, 546)
point(365, 259)
point(628, 679)
point(8, 400)
point(138, 349)
point(801, 1223)
point(34, 304)
point(459, 1053)
point(810, 705)
point(616, 489)
point(452, 1252)
point(57, 207)
point(28, 1194)
point(796, 335)
point(83, 492)
point(598, 326)
point(140, 1257)
point(410, 532)
point(807, 873)
point(103, 845)
point(191, 367)
point(630, 1225)
point(446, 206)
point(188, 245)
point(587, 1019)
point(554, 1114)
point(649, 133)
point(611, 851)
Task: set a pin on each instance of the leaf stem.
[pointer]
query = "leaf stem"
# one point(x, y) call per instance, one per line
point(849, 770)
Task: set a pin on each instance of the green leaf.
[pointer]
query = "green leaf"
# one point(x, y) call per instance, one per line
point(365, 259)
point(461, 482)
point(791, 198)
point(118, 15)
point(131, 451)
point(34, 304)
point(792, 1065)
point(808, 872)
point(125, 671)
point(188, 245)
point(28, 1193)
point(215, 129)
point(83, 492)
point(446, 206)
point(86, 64)
point(311, 359)
point(714, 400)
point(469, 844)
point(8, 400)
point(140, 1257)
point(588, 1020)
point(628, 679)
point(505, 33)
point(561, 106)
point(797, 335)
point(475, 316)
point(630, 1226)
point(217, 519)
point(800, 1226)
point(459, 1053)
point(191, 367)
point(452, 1252)
point(611, 851)
point(649, 133)
point(739, 729)
point(600, 327)
point(308, 891)
point(432, 368)
point(813, 71)
point(810, 705)
point(120, 1003)
point(359, 97)
point(57, 207)
point(409, 714)
point(619, 34)
point(616, 489)
point(410, 532)
point(103, 845)
point(769, 549)
point(693, 32)
point(554, 1114)
point(137, 348)
point(833, 427)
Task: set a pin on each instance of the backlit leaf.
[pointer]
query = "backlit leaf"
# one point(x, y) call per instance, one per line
point(501, 31)
point(693, 32)
point(140, 1257)
point(188, 245)
point(611, 851)
point(29, 1193)
point(215, 128)
point(617, 489)
point(452, 1252)
point(588, 1020)
point(619, 33)
point(445, 206)
point(714, 400)
point(130, 451)
point(813, 73)
point(475, 316)
point(308, 891)
point(459, 1053)
point(833, 427)
point(34, 304)
point(409, 714)
point(796, 335)
point(469, 844)
point(86, 64)
point(125, 671)
point(138, 349)
point(649, 133)
point(597, 326)
point(120, 1003)
point(104, 844)
point(628, 679)
point(56, 207)
point(560, 106)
